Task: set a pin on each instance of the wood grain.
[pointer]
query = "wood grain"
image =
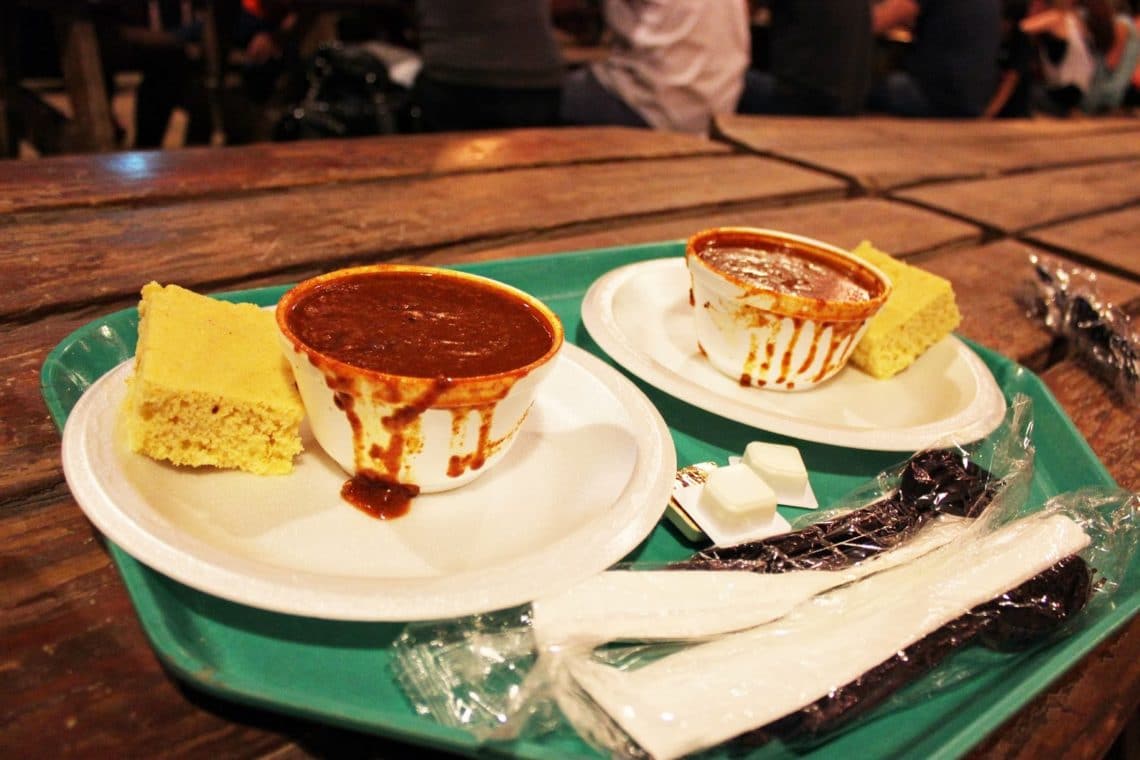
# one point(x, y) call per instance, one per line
point(1106, 240)
point(151, 176)
point(29, 440)
point(1012, 204)
point(894, 227)
point(786, 134)
point(991, 283)
point(108, 253)
point(880, 155)
point(991, 311)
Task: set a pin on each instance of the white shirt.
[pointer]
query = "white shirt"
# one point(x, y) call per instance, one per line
point(677, 62)
point(1078, 65)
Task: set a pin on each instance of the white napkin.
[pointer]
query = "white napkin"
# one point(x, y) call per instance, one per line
point(712, 692)
point(643, 605)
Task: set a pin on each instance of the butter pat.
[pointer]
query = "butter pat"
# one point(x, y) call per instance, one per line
point(694, 513)
point(780, 466)
point(738, 495)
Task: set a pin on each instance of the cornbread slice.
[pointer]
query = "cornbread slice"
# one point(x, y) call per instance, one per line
point(920, 312)
point(210, 385)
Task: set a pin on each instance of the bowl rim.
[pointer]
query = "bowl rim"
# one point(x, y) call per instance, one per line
point(790, 304)
point(289, 298)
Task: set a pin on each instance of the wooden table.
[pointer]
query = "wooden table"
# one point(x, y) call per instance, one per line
point(79, 235)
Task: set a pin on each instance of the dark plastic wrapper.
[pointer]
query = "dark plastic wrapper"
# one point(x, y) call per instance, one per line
point(601, 653)
point(951, 479)
point(1031, 615)
point(933, 482)
point(1069, 303)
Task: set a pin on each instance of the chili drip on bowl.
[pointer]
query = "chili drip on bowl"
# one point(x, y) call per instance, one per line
point(776, 310)
point(415, 379)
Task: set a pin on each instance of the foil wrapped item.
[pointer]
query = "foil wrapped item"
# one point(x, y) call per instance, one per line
point(1068, 301)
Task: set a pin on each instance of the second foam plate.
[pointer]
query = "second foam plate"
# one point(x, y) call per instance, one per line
point(640, 315)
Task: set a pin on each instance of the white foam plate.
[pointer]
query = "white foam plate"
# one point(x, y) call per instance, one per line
point(586, 481)
point(640, 315)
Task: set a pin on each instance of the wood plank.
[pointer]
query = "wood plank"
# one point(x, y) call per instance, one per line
point(779, 134)
point(84, 255)
point(1041, 151)
point(882, 168)
point(29, 441)
point(895, 227)
point(1015, 203)
point(1108, 240)
point(134, 177)
point(878, 169)
point(991, 313)
point(782, 134)
point(882, 155)
point(988, 281)
point(982, 132)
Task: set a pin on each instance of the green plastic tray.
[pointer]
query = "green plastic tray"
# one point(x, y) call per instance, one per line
point(339, 672)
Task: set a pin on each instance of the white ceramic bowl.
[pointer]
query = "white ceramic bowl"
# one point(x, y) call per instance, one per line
point(435, 432)
point(774, 331)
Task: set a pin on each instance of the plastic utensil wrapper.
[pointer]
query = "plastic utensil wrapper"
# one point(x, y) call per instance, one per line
point(794, 637)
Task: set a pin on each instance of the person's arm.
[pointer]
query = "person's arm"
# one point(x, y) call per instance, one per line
point(1051, 22)
point(893, 14)
point(291, 28)
point(1119, 42)
point(261, 48)
point(1006, 86)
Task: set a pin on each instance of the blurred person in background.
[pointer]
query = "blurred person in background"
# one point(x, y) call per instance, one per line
point(672, 65)
point(1088, 53)
point(1065, 55)
point(165, 52)
point(265, 39)
point(949, 68)
point(821, 55)
point(1132, 94)
point(1012, 98)
point(268, 33)
point(1116, 52)
point(487, 64)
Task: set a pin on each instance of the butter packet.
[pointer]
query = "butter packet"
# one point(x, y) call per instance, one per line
point(691, 514)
